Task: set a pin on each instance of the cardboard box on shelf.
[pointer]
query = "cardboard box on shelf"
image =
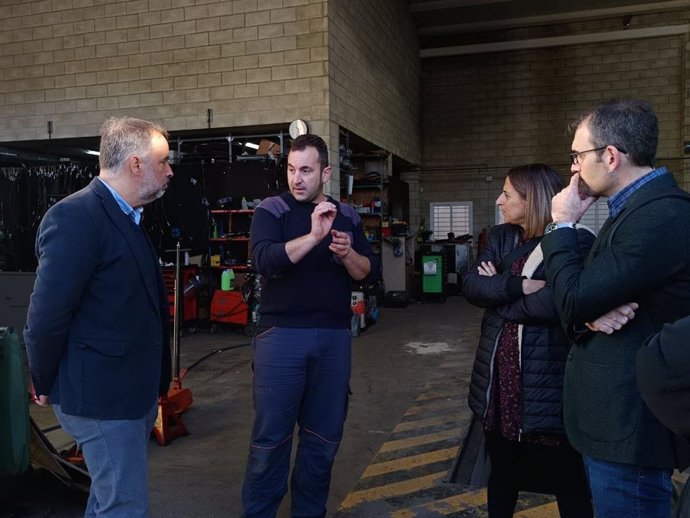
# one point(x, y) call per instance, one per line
point(268, 146)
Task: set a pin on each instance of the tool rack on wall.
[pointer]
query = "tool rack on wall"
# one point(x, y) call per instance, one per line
point(364, 185)
point(229, 244)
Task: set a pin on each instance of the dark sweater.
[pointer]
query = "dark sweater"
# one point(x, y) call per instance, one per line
point(315, 292)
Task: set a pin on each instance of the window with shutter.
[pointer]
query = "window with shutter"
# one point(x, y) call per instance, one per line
point(455, 217)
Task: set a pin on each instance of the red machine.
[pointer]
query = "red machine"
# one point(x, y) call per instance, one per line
point(358, 307)
point(188, 297)
point(228, 307)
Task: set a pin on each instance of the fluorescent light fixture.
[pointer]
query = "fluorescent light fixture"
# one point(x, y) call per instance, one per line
point(251, 145)
point(91, 152)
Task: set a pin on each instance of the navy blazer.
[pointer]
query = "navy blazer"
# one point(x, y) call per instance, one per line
point(97, 331)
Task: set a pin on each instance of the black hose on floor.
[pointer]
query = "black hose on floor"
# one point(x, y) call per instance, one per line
point(216, 351)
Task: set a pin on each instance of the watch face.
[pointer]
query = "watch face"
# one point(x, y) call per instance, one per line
point(550, 227)
point(298, 127)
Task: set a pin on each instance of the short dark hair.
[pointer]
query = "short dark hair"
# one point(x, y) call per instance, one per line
point(627, 123)
point(122, 137)
point(536, 184)
point(310, 140)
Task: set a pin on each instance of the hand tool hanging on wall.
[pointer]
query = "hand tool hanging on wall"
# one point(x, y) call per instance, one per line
point(26, 192)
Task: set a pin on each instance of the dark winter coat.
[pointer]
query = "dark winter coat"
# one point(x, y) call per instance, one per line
point(663, 375)
point(645, 260)
point(544, 346)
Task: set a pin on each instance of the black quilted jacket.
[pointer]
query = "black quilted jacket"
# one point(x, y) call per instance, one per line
point(544, 346)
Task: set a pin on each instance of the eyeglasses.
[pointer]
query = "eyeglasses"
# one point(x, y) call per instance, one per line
point(575, 155)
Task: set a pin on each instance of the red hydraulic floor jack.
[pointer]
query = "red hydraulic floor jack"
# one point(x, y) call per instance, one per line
point(171, 406)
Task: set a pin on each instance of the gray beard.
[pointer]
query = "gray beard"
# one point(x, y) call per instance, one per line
point(148, 192)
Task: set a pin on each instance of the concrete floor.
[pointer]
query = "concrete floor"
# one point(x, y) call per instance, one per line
point(200, 475)
point(407, 418)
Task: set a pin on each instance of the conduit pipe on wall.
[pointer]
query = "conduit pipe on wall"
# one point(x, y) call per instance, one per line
point(544, 19)
point(556, 41)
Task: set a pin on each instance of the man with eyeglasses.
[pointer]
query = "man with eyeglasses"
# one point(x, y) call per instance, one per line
point(638, 267)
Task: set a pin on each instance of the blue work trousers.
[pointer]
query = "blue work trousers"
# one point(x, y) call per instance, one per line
point(300, 376)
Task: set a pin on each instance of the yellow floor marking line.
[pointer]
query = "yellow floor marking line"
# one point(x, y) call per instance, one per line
point(395, 489)
point(549, 510)
point(424, 423)
point(439, 405)
point(450, 505)
point(449, 392)
point(454, 433)
point(411, 462)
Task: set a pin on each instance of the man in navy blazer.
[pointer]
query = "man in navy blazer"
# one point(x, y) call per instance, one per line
point(97, 331)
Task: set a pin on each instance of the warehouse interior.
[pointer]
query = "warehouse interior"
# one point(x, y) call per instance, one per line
point(424, 104)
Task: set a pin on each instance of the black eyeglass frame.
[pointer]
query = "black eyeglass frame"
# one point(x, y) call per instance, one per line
point(575, 155)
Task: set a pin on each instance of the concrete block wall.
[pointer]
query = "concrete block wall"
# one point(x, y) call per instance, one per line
point(484, 113)
point(374, 72)
point(374, 77)
point(335, 63)
point(76, 62)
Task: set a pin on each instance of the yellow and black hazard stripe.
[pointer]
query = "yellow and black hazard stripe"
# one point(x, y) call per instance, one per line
point(409, 477)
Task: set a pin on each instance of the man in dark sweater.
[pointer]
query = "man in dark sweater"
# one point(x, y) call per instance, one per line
point(639, 264)
point(307, 247)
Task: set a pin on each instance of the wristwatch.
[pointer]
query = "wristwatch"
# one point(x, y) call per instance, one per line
point(550, 227)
